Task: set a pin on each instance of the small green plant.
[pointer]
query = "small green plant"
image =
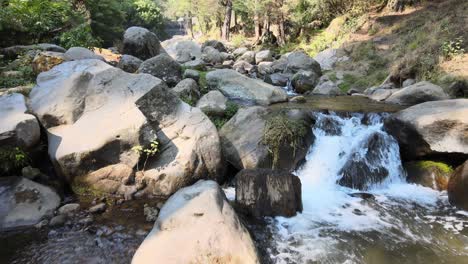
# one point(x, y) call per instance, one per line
point(281, 131)
point(12, 160)
point(80, 36)
point(189, 100)
point(453, 48)
point(148, 152)
point(202, 83)
point(231, 110)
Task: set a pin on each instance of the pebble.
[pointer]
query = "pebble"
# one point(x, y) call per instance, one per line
point(98, 208)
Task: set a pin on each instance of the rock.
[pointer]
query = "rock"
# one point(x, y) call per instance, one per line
point(17, 128)
point(329, 57)
point(24, 202)
point(218, 45)
point(141, 43)
point(417, 93)
point(240, 51)
point(213, 103)
point(432, 128)
point(200, 211)
point(58, 220)
point(264, 55)
point(408, 82)
point(353, 91)
point(187, 89)
point(458, 89)
point(226, 56)
point(25, 89)
point(362, 170)
point(69, 209)
point(264, 192)
point(211, 55)
point(12, 74)
point(151, 213)
point(192, 74)
point(188, 142)
point(242, 140)
point(327, 88)
point(197, 64)
point(228, 64)
point(242, 67)
point(299, 60)
point(278, 79)
point(30, 172)
point(457, 187)
point(46, 60)
point(80, 53)
point(88, 109)
point(14, 51)
point(41, 224)
point(298, 99)
point(430, 174)
point(248, 56)
point(129, 63)
point(279, 65)
point(112, 179)
point(264, 68)
point(163, 67)
point(182, 50)
point(382, 94)
point(98, 208)
point(304, 81)
point(237, 86)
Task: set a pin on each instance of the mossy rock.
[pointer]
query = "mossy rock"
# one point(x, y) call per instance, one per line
point(430, 174)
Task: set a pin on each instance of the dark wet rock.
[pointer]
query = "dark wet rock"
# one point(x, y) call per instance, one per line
point(58, 220)
point(141, 43)
point(363, 195)
point(330, 125)
point(164, 68)
point(265, 192)
point(69, 209)
point(458, 186)
point(304, 81)
point(30, 172)
point(430, 174)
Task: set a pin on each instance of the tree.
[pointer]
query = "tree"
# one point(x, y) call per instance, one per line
point(227, 19)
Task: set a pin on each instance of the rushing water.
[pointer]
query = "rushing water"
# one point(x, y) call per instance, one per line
point(398, 222)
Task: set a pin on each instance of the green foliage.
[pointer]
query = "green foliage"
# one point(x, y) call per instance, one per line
point(107, 19)
point(80, 36)
point(148, 151)
point(202, 83)
point(427, 164)
point(220, 121)
point(452, 48)
point(144, 13)
point(188, 100)
point(281, 131)
point(26, 77)
point(12, 160)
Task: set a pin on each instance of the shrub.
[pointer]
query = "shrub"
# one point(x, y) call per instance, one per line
point(80, 36)
point(452, 48)
point(12, 160)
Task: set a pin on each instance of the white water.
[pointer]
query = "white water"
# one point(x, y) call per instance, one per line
point(335, 227)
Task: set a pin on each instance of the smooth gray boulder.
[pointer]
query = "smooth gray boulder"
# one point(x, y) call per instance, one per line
point(218, 45)
point(141, 43)
point(242, 67)
point(187, 89)
point(17, 127)
point(24, 202)
point(418, 93)
point(299, 60)
point(213, 103)
point(239, 51)
point(327, 88)
point(265, 192)
point(200, 220)
point(432, 128)
point(264, 68)
point(237, 86)
point(80, 53)
point(181, 49)
point(164, 68)
point(248, 56)
point(263, 56)
point(211, 55)
point(278, 79)
point(329, 57)
point(129, 63)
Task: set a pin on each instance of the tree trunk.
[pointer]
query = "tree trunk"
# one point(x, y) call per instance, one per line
point(281, 35)
point(189, 23)
point(227, 21)
point(257, 24)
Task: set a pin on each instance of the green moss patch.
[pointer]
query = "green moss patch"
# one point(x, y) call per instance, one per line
point(427, 164)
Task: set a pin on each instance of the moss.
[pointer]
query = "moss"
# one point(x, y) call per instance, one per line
point(427, 164)
point(202, 83)
point(80, 188)
point(280, 131)
point(220, 121)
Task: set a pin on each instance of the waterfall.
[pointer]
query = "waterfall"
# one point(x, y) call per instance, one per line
point(338, 223)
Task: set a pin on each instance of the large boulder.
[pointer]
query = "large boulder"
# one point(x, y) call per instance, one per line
point(14, 51)
point(432, 128)
point(213, 103)
point(278, 79)
point(199, 220)
point(237, 86)
point(362, 170)
point(304, 81)
point(187, 89)
point(141, 43)
point(457, 186)
point(182, 50)
point(211, 55)
point(129, 63)
point(88, 108)
point(329, 57)
point(430, 174)
point(188, 141)
point(265, 192)
point(46, 60)
point(418, 93)
point(163, 67)
point(80, 53)
point(17, 127)
point(24, 202)
point(239, 51)
point(299, 60)
point(242, 140)
point(329, 88)
point(218, 45)
point(264, 55)
point(243, 67)
point(248, 56)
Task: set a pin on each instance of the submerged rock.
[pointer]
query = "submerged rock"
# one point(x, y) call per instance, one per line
point(237, 86)
point(141, 43)
point(17, 128)
point(24, 202)
point(458, 186)
point(432, 128)
point(264, 192)
point(199, 220)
